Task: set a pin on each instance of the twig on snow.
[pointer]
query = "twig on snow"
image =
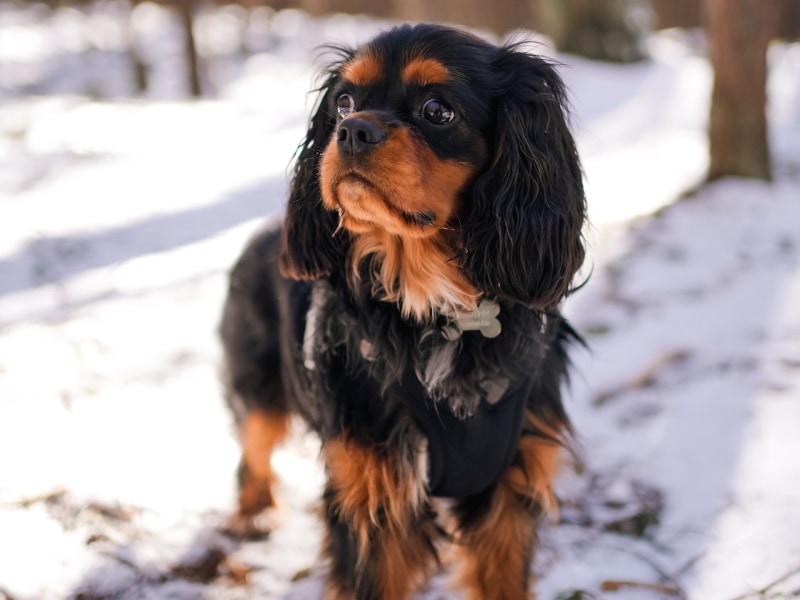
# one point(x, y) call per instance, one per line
point(615, 585)
point(766, 589)
point(28, 501)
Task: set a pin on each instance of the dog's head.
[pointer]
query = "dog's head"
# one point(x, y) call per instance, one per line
point(429, 134)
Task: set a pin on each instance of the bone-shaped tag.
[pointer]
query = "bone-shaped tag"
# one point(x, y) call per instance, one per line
point(483, 319)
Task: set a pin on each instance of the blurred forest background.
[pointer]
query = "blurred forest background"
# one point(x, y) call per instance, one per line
point(612, 30)
point(142, 142)
point(607, 30)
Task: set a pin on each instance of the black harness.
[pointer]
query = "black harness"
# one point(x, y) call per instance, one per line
point(466, 456)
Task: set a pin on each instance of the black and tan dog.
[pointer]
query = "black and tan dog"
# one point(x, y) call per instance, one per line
point(408, 310)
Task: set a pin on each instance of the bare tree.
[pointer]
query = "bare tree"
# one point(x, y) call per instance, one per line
point(612, 30)
point(739, 34)
point(186, 10)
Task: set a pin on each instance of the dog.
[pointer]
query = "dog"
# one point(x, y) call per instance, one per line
point(408, 309)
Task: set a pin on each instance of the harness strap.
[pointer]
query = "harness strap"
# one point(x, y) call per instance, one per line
point(466, 456)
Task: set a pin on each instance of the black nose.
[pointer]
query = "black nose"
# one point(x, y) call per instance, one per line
point(357, 135)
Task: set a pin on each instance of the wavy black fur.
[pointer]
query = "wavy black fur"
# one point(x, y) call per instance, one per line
point(301, 336)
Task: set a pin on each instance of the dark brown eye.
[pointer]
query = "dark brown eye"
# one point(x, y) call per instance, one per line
point(345, 105)
point(437, 112)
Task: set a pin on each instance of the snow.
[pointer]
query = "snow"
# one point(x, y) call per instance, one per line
point(119, 217)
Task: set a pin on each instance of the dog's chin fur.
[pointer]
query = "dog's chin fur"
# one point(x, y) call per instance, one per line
point(438, 186)
point(419, 275)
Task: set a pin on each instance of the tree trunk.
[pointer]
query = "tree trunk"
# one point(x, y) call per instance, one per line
point(141, 77)
point(186, 12)
point(739, 32)
point(611, 30)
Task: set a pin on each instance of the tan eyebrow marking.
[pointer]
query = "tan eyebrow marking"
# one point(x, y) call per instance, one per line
point(425, 71)
point(363, 70)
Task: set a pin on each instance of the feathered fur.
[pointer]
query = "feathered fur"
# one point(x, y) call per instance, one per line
point(438, 173)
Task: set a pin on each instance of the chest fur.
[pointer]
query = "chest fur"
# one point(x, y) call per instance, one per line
point(455, 372)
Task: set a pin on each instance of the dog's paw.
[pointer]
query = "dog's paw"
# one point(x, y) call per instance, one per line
point(253, 526)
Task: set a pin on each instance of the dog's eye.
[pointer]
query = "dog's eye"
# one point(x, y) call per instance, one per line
point(345, 105)
point(437, 112)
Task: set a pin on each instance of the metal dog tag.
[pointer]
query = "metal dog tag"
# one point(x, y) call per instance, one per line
point(483, 319)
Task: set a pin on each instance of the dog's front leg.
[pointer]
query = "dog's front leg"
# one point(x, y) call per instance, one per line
point(381, 533)
point(496, 536)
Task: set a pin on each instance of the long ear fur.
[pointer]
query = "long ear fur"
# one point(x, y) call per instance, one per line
point(523, 234)
point(309, 248)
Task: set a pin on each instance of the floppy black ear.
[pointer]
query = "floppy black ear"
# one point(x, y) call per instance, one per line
point(309, 248)
point(522, 235)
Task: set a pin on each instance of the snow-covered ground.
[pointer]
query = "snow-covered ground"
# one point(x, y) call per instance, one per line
point(119, 218)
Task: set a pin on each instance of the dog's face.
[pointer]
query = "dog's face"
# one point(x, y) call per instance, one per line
point(409, 139)
point(432, 137)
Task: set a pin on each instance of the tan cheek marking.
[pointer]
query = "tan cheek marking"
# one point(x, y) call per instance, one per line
point(328, 169)
point(425, 71)
point(447, 180)
point(363, 70)
point(416, 180)
point(407, 174)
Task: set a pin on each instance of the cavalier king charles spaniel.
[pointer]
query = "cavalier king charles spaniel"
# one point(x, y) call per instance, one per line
point(408, 310)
